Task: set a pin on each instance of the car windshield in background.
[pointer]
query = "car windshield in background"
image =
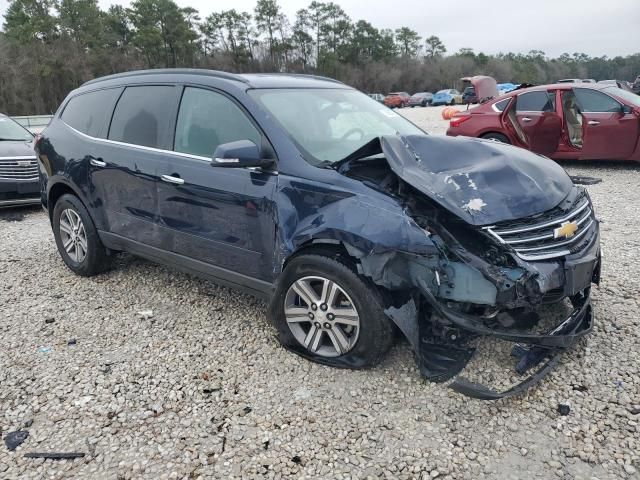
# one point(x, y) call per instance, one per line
point(628, 97)
point(327, 124)
point(442, 92)
point(11, 131)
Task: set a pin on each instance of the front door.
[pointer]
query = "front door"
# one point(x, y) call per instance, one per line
point(536, 123)
point(608, 133)
point(221, 216)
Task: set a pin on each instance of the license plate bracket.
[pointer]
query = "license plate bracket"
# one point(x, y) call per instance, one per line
point(579, 273)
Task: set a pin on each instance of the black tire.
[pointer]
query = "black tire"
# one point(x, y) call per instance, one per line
point(376, 331)
point(95, 259)
point(452, 103)
point(498, 137)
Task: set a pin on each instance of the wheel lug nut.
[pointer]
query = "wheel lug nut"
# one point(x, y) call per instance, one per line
point(314, 306)
point(330, 316)
point(311, 315)
point(323, 307)
point(317, 324)
point(327, 325)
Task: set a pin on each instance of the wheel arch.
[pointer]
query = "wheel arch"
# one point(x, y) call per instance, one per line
point(495, 132)
point(57, 190)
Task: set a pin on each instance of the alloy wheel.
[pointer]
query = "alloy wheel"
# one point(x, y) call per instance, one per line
point(73, 235)
point(321, 316)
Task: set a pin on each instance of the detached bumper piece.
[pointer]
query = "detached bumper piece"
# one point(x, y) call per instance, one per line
point(530, 350)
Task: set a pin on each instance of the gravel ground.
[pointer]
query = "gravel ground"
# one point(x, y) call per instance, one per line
point(200, 388)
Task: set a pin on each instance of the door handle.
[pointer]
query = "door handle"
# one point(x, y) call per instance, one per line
point(526, 119)
point(593, 122)
point(172, 179)
point(97, 163)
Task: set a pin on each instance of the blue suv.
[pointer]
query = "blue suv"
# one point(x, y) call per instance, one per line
point(350, 220)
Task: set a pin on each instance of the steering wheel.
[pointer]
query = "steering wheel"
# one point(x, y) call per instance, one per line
point(351, 132)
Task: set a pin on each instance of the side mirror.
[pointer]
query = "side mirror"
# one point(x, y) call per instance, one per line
point(240, 154)
point(626, 109)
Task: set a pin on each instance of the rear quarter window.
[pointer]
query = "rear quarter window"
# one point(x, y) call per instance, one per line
point(143, 116)
point(89, 112)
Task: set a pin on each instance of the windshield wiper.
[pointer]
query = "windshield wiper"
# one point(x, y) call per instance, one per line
point(13, 139)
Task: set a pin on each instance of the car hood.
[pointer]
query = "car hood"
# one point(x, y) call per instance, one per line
point(481, 181)
point(16, 149)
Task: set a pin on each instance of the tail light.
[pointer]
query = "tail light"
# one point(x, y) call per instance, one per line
point(457, 120)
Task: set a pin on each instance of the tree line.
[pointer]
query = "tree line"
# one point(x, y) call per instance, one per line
point(49, 47)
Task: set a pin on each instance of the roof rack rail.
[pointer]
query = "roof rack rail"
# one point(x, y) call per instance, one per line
point(160, 71)
point(303, 75)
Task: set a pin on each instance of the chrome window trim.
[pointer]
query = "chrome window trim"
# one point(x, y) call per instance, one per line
point(153, 149)
point(141, 147)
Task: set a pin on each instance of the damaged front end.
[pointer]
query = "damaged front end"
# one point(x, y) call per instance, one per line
point(511, 234)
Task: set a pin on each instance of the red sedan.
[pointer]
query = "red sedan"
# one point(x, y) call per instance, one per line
point(563, 121)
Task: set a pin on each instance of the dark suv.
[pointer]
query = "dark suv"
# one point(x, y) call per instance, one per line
point(345, 216)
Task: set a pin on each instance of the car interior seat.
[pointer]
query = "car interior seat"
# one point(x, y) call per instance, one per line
point(573, 119)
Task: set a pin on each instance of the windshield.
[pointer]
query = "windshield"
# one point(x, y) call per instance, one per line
point(329, 124)
point(443, 92)
point(629, 97)
point(10, 130)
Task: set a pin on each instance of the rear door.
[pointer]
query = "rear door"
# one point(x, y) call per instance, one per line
point(608, 133)
point(220, 216)
point(124, 178)
point(536, 123)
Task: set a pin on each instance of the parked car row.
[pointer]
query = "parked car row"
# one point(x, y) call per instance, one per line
point(419, 99)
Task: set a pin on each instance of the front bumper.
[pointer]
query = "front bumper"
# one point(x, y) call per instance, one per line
point(18, 192)
point(534, 350)
point(443, 361)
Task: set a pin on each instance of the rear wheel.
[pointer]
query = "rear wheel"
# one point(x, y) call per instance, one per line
point(77, 238)
point(326, 312)
point(452, 103)
point(498, 137)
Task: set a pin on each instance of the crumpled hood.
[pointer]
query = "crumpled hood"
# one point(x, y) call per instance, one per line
point(481, 181)
point(16, 149)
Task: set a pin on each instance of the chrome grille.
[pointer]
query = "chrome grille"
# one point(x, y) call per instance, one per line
point(18, 168)
point(538, 240)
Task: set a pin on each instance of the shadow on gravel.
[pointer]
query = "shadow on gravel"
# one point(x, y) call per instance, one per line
point(601, 164)
point(17, 214)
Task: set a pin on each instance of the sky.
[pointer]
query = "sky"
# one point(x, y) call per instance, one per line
point(594, 27)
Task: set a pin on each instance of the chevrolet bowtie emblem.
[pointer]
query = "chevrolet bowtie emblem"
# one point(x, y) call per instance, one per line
point(566, 230)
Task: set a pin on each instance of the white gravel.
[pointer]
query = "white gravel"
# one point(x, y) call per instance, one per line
point(174, 377)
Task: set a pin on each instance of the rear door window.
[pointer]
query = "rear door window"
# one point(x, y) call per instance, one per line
point(89, 112)
point(536, 102)
point(144, 116)
point(207, 119)
point(593, 101)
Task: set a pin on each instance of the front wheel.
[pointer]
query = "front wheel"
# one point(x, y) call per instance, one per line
point(326, 312)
